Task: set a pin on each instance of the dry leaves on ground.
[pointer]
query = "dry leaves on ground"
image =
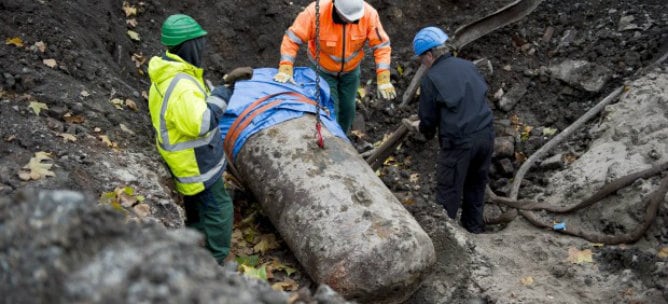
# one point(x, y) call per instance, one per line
point(36, 169)
point(576, 256)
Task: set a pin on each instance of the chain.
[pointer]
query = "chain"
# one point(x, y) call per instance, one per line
point(318, 123)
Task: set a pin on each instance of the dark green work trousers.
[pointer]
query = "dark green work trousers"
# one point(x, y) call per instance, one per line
point(212, 213)
point(344, 90)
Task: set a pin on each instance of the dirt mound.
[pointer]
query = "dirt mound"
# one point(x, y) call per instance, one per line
point(57, 246)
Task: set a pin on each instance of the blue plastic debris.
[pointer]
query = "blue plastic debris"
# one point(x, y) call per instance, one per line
point(559, 226)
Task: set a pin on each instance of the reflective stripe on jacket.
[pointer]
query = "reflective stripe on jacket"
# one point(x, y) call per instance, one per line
point(341, 45)
point(187, 134)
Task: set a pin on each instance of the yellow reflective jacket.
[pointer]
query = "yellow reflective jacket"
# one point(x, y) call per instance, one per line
point(187, 134)
point(341, 45)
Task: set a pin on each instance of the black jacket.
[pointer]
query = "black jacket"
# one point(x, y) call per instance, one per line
point(452, 98)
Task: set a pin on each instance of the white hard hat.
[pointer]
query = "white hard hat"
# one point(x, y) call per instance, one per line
point(350, 9)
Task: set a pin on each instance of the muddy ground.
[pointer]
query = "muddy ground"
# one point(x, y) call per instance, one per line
point(97, 64)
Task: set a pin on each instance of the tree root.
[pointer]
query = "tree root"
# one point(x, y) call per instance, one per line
point(654, 200)
point(596, 197)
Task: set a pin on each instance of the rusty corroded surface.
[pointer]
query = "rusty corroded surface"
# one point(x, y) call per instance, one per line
point(342, 223)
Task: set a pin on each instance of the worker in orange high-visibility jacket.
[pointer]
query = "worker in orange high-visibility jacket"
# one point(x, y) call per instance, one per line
point(345, 27)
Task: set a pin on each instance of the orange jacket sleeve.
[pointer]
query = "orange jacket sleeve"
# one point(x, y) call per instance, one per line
point(301, 31)
point(379, 41)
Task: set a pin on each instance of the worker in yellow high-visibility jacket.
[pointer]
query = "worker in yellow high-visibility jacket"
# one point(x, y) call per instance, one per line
point(185, 116)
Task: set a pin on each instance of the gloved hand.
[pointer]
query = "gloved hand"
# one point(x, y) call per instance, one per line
point(222, 92)
point(237, 74)
point(218, 99)
point(385, 88)
point(413, 126)
point(284, 74)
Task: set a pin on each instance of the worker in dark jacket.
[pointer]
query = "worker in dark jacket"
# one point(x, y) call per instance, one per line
point(452, 100)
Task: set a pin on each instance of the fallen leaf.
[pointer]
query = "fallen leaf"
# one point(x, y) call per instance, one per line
point(663, 253)
point(569, 158)
point(118, 103)
point(68, 137)
point(131, 105)
point(73, 119)
point(109, 198)
point(126, 200)
point(105, 139)
point(142, 210)
point(131, 22)
point(36, 169)
point(41, 46)
point(286, 285)
point(527, 281)
point(250, 260)
point(129, 10)
point(97, 130)
point(278, 266)
point(359, 134)
point(576, 256)
point(138, 59)
point(549, 131)
point(361, 91)
point(258, 273)
point(10, 138)
point(408, 202)
point(15, 41)
point(37, 107)
point(526, 132)
point(125, 129)
point(144, 94)
point(498, 94)
point(85, 93)
point(414, 178)
point(267, 242)
point(400, 70)
point(390, 161)
point(133, 35)
point(50, 63)
point(520, 157)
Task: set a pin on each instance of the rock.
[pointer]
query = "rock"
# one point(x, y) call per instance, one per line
point(567, 39)
point(9, 80)
point(583, 74)
point(326, 295)
point(55, 125)
point(553, 162)
point(77, 108)
point(547, 36)
point(510, 99)
point(506, 166)
point(626, 23)
point(504, 147)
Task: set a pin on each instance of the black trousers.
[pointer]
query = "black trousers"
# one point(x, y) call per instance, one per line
point(462, 174)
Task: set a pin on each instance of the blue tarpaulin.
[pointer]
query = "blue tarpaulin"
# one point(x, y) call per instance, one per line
point(261, 85)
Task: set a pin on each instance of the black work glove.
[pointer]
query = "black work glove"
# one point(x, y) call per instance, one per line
point(237, 74)
point(222, 92)
point(218, 100)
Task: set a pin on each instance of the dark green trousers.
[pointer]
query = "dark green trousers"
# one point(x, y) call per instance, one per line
point(212, 213)
point(344, 90)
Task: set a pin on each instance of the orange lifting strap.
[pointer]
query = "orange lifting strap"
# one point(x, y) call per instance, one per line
point(246, 117)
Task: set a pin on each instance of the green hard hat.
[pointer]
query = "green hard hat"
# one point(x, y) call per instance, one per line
point(179, 28)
